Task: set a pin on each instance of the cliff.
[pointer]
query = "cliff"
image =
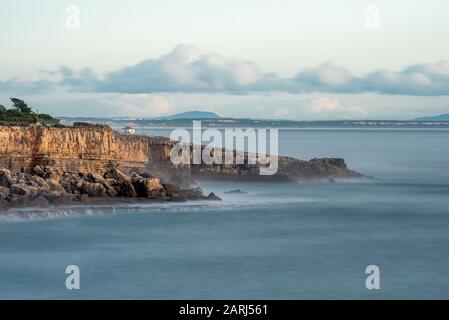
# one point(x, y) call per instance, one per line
point(97, 149)
point(69, 149)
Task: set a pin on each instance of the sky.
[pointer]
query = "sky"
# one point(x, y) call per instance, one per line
point(289, 59)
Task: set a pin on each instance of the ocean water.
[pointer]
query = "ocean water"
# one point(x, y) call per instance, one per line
point(278, 241)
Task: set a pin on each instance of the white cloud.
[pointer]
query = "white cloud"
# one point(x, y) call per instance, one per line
point(141, 105)
point(421, 79)
point(281, 112)
point(326, 74)
point(334, 109)
point(187, 69)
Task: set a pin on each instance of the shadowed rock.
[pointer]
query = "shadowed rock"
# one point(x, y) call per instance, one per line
point(43, 187)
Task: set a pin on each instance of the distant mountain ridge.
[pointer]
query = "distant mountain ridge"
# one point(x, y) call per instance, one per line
point(191, 115)
point(441, 117)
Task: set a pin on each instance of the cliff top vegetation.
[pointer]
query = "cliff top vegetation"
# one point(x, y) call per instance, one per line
point(21, 113)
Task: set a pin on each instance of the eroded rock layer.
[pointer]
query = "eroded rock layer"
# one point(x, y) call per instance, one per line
point(96, 150)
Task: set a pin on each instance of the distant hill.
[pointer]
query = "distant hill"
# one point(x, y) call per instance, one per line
point(192, 115)
point(441, 117)
point(220, 122)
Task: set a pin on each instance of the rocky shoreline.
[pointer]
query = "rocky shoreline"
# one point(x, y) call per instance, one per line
point(43, 167)
point(45, 186)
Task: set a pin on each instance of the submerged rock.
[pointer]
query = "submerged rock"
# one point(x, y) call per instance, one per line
point(212, 196)
point(237, 191)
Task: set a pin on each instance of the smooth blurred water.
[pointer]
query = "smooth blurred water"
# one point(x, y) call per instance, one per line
point(279, 241)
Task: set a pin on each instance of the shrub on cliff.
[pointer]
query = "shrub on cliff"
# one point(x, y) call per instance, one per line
point(21, 106)
point(21, 113)
point(89, 125)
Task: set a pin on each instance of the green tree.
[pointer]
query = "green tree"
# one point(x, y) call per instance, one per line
point(21, 105)
point(3, 112)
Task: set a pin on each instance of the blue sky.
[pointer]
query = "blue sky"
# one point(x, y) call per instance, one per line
point(317, 59)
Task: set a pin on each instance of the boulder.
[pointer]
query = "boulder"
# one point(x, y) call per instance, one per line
point(68, 182)
point(51, 174)
point(15, 200)
point(38, 170)
point(93, 189)
point(5, 178)
point(138, 184)
point(4, 192)
point(212, 196)
point(98, 178)
point(175, 193)
point(55, 185)
point(154, 188)
point(193, 194)
point(121, 183)
point(23, 190)
point(78, 184)
point(40, 184)
point(236, 191)
point(65, 199)
point(110, 191)
point(83, 198)
point(150, 188)
point(52, 195)
point(4, 205)
point(39, 202)
point(115, 174)
point(178, 197)
point(171, 188)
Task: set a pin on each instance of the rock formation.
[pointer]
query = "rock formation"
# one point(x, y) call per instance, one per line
point(95, 150)
point(40, 166)
point(45, 186)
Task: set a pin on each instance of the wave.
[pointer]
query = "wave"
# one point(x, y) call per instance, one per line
point(21, 214)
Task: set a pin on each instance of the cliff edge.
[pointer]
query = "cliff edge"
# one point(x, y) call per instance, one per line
point(95, 150)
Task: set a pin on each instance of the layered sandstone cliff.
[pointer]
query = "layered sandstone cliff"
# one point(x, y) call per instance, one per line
point(96, 150)
point(69, 149)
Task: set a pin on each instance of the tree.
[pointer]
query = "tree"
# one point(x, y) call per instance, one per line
point(21, 113)
point(3, 112)
point(21, 105)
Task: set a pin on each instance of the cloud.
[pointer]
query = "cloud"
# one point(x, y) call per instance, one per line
point(141, 105)
point(281, 112)
point(324, 77)
point(187, 69)
point(15, 86)
point(333, 108)
point(420, 79)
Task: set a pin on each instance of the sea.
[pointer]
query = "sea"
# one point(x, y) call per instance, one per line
point(297, 240)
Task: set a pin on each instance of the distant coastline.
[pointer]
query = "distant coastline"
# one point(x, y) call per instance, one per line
point(258, 123)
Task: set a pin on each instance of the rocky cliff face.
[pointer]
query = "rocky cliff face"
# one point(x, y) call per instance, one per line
point(69, 149)
point(96, 150)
